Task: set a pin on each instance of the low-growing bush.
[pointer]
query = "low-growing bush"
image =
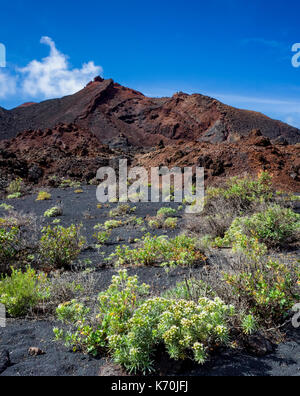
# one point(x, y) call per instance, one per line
point(68, 183)
point(154, 223)
point(268, 288)
point(14, 195)
point(111, 224)
point(132, 329)
point(166, 212)
point(171, 222)
point(43, 196)
point(56, 211)
point(18, 240)
point(60, 246)
point(15, 187)
point(275, 227)
point(22, 291)
point(255, 284)
point(163, 251)
point(102, 237)
point(115, 308)
point(121, 210)
point(239, 196)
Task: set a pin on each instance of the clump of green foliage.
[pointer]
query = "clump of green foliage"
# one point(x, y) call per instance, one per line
point(14, 195)
point(268, 288)
point(60, 246)
point(244, 191)
point(168, 252)
point(9, 243)
point(111, 224)
point(102, 237)
point(171, 222)
point(43, 196)
point(122, 210)
point(166, 212)
point(274, 227)
point(15, 188)
point(56, 211)
point(68, 183)
point(132, 327)
point(22, 291)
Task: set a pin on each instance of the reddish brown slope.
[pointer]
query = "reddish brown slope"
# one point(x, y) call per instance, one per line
point(108, 109)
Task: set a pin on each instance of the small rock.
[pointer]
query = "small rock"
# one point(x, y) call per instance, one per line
point(131, 241)
point(258, 345)
point(35, 352)
point(112, 370)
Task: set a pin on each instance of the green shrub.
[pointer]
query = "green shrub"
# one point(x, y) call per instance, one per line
point(267, 288)
point(23, 291)
point(132, 328)
point(9, 243)
point(43, 196)
point(171, 222)
point(154, 223)
point(275, 227)
point(60, 246)
point(56, 211)
point(66, 183)
point(111, 224)
point(102, 237)
point(167, 252)
point(15, 187)
point(14, 195)
point(121, 210)
point(186, 329)
point(166, 212)
point(18, 240)
point(116, 307)
point(245, 191)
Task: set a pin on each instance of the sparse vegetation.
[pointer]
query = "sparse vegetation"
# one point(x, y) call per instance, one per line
point(164, 251)
point(60, 246)
point(22, 291)
point(122, 210)
point(274, 227)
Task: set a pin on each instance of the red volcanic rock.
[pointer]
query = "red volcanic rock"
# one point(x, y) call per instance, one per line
point(66, 150)
point(108, 109)
point(231, 159)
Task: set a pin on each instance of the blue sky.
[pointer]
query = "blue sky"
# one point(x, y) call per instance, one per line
point(235, 50)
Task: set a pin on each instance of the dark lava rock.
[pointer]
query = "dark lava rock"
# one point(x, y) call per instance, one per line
point(280, 141)
point(4, 360)
point(258, 345)
point(34, 174)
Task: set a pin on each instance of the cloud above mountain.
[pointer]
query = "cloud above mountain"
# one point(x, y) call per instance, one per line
point(48, 78)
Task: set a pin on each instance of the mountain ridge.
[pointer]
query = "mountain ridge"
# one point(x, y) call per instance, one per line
point(108, 109)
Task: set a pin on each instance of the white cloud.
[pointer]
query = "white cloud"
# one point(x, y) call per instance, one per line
point(53, 77)
point(8, 84)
